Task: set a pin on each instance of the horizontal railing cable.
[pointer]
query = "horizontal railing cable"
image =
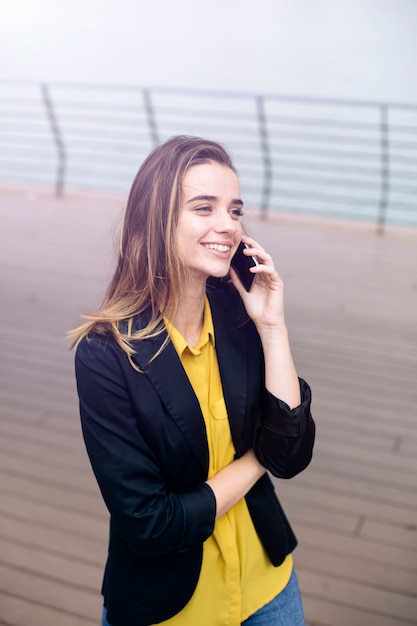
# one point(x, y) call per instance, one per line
point(338, 158)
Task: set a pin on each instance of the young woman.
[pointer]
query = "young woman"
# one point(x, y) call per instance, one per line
point(188, 396)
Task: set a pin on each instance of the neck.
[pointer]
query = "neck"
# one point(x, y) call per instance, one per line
point(188, 319)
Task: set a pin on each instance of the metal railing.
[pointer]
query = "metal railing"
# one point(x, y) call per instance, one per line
point(335, 158)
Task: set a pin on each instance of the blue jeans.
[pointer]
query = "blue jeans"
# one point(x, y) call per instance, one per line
point(285, 609)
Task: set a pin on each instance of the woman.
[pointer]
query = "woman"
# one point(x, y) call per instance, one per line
point(188, 396)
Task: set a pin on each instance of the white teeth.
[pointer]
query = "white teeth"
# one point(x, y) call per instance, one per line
point(218, 247)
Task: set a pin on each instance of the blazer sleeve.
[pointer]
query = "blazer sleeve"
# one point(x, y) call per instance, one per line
point(284, 437)
point(152, 519)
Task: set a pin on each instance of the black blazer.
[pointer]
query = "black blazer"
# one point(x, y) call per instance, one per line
point(145, 436)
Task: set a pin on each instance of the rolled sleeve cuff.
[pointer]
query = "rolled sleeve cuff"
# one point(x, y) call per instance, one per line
point(279, 418)
point(199, 508)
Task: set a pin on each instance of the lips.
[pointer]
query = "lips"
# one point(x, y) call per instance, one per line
point(219, 247)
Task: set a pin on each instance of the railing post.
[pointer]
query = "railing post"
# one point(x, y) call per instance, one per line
point(56, 134)
point(266, 155)
point(385, 172)
point(150, 115)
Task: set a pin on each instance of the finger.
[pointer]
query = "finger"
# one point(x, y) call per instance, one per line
point(254, 249)
point(251, 243)
point(268, 275)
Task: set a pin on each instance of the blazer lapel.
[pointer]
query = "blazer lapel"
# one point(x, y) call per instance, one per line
point(170, 381)
point(231, 349)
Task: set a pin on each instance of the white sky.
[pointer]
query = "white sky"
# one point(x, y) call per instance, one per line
point(363, 49)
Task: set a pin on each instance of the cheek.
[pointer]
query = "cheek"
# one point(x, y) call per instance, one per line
point(183, 244)
point(188, 234)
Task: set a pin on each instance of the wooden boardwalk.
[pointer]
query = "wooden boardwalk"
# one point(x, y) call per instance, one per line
point(352, 312)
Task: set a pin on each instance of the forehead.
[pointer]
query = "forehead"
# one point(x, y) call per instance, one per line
point(210, 178)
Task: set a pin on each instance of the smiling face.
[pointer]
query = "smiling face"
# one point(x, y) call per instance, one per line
point(209, 227)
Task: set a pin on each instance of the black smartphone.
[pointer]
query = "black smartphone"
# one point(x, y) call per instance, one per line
point(241, 263)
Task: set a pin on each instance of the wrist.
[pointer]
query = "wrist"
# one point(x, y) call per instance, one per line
point(273, 332)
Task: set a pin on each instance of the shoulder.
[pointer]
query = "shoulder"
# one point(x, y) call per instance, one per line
point(97, 351)
point(95, 343)
point(102, 339)
point(104, 350)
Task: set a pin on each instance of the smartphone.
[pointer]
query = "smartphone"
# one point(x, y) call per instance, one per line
point(241, 263)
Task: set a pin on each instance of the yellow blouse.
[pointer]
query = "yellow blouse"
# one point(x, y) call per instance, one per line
point(237, 577)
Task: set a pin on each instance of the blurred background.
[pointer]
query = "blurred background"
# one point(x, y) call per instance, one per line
point(357, 49)
point(317, 101)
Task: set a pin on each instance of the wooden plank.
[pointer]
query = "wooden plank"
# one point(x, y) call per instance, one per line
point(326, 612)
point(25, 413)
point(21, 612)
point(49, 593)
point(357, 569)
point(52, 455)
point(32, 488)
point(365, 468)
point(393, 357)
point(333, 482)
point(49, 516)
point(64, 569)
point(347, 394)
point(394, 515)
point(60, 477)
point(63, 439)
point(326, 409)
point(362, 438)
point(53, 540)
point(391, 535)
point(333, 541)
point(381, 602)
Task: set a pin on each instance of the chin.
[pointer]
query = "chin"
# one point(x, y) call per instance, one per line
point(220, 274)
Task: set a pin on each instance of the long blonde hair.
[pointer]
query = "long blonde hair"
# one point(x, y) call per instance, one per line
point(148, 272)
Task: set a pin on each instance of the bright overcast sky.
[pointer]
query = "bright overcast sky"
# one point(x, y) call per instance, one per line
point(363, 49)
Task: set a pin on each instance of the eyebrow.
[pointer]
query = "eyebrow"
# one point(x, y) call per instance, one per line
point(213, 199)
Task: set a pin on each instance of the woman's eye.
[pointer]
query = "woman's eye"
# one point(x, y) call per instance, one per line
point(203, 209)
point(237, 212)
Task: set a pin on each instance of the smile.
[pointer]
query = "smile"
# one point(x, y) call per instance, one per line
point(217, 246)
